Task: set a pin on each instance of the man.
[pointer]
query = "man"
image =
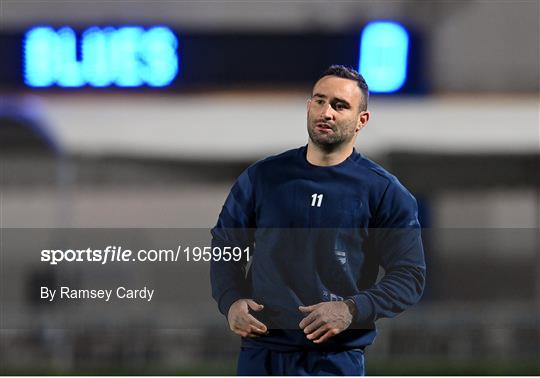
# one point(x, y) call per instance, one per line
point(319, 221)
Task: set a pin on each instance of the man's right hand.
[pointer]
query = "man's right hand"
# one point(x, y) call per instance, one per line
point(242, 322)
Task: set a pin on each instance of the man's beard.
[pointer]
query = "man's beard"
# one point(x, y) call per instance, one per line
point(327, 142)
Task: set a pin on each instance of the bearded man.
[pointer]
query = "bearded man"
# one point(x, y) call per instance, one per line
point(319, 221)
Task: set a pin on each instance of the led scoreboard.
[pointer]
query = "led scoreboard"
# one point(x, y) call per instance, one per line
point(125, 57)
point(159, 58)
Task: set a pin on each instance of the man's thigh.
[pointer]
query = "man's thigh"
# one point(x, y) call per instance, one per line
point(336, 363)
point(261, 361)
point(254, 361)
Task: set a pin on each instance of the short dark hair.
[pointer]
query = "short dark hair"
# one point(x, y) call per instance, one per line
point(351, 74)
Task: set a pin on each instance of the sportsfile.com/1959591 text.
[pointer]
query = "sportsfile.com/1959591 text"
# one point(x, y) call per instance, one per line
point(119, 254)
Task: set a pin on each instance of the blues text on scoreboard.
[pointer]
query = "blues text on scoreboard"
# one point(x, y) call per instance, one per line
point(127, 56)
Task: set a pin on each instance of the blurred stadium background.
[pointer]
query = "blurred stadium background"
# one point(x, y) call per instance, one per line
point(461, 131)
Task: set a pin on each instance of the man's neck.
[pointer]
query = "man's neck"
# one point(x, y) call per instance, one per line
point(317, 156)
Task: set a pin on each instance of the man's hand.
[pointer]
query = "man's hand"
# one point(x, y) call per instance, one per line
point(242, 322)
point(324, 320)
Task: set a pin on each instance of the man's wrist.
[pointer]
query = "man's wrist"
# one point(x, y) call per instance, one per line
point(351, 305)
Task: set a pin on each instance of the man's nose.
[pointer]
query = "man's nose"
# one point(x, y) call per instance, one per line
point(327, 112)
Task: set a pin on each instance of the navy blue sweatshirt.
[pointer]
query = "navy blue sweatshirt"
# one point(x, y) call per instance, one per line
point(318, 233)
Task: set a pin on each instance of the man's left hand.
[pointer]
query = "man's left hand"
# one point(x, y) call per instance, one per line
point(324, 320)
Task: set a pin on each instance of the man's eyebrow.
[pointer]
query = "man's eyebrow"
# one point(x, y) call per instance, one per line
point(343, 101)
point(337, 98)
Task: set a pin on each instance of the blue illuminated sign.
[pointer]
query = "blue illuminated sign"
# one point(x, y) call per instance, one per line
point(125, 57)
point(384, 48)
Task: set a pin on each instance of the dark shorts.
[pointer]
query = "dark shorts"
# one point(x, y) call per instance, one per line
point(262, 361)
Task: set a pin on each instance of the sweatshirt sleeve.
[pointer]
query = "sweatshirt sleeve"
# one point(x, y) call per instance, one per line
point(233, 229)
point(397, 243)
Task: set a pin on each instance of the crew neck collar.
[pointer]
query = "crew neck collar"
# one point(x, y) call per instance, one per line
point(344, 162)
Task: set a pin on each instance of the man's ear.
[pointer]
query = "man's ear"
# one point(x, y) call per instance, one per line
point(363, 119)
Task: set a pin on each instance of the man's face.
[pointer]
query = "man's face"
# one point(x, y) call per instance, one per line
point(334, 114)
